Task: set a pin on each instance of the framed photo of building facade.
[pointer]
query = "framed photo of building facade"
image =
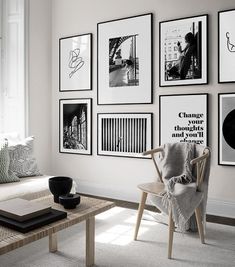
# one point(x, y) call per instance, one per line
point(124, 134)
point(75, 58)
point(183, 118)
point(226, 116)
point(75, 125)
point(183, 51)
point(125, 61)
point(226, 44)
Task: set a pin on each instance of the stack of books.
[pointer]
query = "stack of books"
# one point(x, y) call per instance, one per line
point(24, 216)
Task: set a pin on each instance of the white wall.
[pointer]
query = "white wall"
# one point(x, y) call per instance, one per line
point(118, 177)
point(40, 80)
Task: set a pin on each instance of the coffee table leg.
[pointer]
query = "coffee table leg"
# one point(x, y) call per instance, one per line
point(90, 241)
point(53, 242)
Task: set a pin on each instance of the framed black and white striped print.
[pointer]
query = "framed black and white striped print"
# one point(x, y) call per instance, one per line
point(124, 134)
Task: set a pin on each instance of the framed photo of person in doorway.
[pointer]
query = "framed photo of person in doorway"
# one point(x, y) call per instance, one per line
point(183, 51)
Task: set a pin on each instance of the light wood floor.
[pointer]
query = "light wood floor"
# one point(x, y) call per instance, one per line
point(133, 205)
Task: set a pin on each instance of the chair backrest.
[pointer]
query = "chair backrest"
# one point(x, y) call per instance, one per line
point(200, 163)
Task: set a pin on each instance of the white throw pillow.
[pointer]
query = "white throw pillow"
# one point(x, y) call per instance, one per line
point(22, 160)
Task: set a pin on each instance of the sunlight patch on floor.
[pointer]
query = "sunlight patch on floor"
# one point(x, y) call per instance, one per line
point(132, 220)
point(119, 234)
point(109, 213)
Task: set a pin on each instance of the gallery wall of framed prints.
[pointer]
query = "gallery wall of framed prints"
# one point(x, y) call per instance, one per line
point(75, 123)
point(75, 63)
point(183, 51)
point(125, 77)
point(125, 61)
point(183, 118)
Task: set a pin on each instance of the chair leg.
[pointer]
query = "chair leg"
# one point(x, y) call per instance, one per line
point(140, 213)
point(199, 224)
point(171, 232)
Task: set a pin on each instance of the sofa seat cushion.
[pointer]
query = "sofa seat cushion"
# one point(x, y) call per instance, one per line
point(29, 187)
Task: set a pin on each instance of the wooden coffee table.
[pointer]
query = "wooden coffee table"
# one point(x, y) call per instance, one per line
point(85, 211)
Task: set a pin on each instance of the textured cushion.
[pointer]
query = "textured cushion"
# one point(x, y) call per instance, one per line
point(6, 176)
point(22, 161)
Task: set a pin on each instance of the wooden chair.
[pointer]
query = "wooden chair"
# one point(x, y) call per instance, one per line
point(156, 188)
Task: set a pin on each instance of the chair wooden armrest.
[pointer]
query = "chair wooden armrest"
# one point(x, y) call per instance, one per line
point(152, 151)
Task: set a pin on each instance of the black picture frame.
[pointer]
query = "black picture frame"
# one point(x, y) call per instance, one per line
point(124, 134)
point(76, 136)
point(226, 145)
point(179, 116)
point(137, 88)
point(75, 67)
point(200, 68)
point(226, 51)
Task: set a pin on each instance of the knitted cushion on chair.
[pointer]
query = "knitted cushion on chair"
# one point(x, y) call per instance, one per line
point(6, 175)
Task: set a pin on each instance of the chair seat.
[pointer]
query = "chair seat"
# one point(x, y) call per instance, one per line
point(154, 188)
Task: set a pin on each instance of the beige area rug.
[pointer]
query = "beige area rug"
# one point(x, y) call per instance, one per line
point(115, 246)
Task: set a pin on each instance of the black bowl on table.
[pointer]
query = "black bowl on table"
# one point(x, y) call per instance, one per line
point(69, 201)
point(60, 185)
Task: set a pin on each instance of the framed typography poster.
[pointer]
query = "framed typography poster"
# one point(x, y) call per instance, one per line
point(183, 118)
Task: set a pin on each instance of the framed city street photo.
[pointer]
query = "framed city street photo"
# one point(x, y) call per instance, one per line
point(183, 118)
point(226, 43)
point(124, 134)
point(75, 126)
point(183, 51)
point(125, 61)
point(226, 129)
point(75, 70)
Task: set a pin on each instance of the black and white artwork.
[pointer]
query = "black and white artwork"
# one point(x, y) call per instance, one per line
point(183, 51)
point(184, 118)
point(75, 126)
point(125, 61)
point(75, 63)
point(124, 134)
point(226, 129)
point(226, 20)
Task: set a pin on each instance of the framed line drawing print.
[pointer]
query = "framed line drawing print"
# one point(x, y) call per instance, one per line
point(75, 59)
point(75, 125)
point(183, 118)
point(125, 61)
point(124, 134)
point(226, 44)
point(183, 51)
point(226, 129)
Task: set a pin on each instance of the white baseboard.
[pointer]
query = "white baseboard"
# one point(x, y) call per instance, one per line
point(214, 206)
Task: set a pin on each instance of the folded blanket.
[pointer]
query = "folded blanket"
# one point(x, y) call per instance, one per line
point(181, 189)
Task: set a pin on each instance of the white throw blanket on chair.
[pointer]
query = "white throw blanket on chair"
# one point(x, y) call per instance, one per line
point(180, 184)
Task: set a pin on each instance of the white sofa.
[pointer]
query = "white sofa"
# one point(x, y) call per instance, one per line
point(28, 188)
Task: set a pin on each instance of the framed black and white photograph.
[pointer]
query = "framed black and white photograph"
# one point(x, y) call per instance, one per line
point(75, 57)
point(183, 51)
point(183, 118)
point(125, 61)
point(75, 125)
point(226, 129)
point(226, 43)
point(124, 134)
